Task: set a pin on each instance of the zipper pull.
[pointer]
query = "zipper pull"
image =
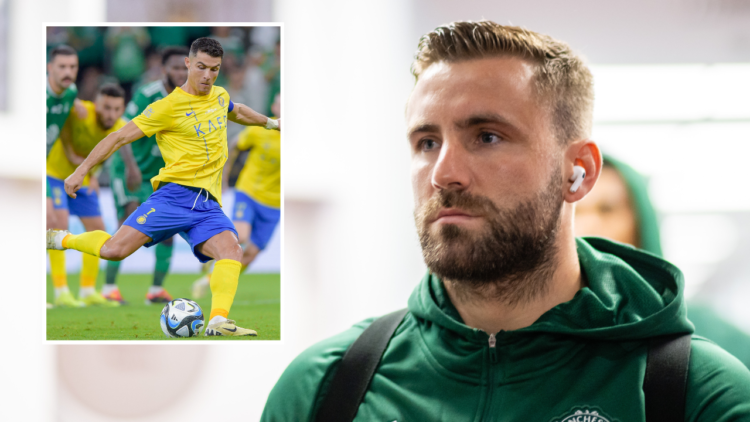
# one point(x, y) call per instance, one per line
point(493, 350)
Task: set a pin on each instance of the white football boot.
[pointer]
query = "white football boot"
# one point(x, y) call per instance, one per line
point(55, 238)
point(227, 328)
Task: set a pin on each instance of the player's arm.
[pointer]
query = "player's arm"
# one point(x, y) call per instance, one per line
point(66, 137)
point(106, 147)
point(246, 116)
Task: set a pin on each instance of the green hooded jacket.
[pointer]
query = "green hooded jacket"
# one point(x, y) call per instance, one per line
point(707, 323)
point(583, 360)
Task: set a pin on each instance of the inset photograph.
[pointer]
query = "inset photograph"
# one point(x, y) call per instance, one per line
point(163, 182)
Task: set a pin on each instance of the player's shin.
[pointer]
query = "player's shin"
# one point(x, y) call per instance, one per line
point(89, 273)
point(224, 281)
point(57, 269)
point(88, 242)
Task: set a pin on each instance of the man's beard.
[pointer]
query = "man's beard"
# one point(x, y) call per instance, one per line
point(171, 84)
point(512, 259)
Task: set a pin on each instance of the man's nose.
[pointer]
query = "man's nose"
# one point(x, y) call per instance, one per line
point(452, 169)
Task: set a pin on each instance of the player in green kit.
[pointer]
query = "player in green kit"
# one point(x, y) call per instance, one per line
point(62, 70)
point(133, 166)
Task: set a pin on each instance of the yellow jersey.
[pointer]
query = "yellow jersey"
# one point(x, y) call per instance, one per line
point(191, 132)
point(260, 178)
point(85, 134)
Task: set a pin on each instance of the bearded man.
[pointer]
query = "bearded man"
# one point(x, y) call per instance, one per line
point(517, 319)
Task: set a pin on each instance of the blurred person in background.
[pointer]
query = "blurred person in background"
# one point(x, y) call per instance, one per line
point(517, 319)
point(257, 193)
point(126, 47)
point(619, 208)
point(255, 84)
point(77, 139)
point(62, 70)
point(187, 190)
point(133, 166)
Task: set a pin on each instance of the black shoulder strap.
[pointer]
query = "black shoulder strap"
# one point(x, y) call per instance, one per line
point(665, 383)
point(356, 369)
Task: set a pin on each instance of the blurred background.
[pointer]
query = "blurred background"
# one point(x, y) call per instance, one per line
point(671, 87)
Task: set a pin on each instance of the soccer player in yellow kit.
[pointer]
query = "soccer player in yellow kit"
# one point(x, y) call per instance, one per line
point(78, 137)
point(190, 127)
point(257, 196)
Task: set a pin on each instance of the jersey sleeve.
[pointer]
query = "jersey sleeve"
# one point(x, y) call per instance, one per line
point(155, 118)
point(246, 139)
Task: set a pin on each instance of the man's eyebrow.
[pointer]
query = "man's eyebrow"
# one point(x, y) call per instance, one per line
point(209, 65)
point(480, 119)
point(424, 127)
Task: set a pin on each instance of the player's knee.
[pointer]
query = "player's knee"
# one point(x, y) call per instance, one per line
point(235, 252)
point(113, 252)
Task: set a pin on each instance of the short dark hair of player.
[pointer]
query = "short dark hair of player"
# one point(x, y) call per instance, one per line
point(112, 90)
point(62, 50)
point(173, 51)
point(207, 45)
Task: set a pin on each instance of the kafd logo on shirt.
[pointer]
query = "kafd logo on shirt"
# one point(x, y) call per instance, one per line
point(584, 414)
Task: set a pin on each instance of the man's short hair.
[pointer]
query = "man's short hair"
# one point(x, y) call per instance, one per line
point(111, 90)
point(62, 50)
point(562, 81)
point(207, 45)
point(173, 51)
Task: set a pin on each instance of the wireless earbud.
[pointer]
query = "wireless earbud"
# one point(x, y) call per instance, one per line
point(579, 173)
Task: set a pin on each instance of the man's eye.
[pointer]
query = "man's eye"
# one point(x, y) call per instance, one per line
point(489, 138)
point(428, 144)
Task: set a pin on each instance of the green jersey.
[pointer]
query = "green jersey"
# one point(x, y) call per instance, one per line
point(146, 152)
point(58, 109)
point(583, 360)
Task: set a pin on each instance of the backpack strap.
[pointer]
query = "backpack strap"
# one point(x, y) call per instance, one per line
point(356, 370)
point(665, 383)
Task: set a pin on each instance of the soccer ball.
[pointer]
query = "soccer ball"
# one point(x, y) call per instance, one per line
point(181, 318)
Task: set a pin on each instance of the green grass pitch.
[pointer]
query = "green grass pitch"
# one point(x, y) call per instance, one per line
point(256, 306)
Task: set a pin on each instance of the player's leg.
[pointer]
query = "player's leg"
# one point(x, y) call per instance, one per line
point(242, 215)
point(90, 269)
point(124, 209)
point(99, 243)
point(157, 293)
point(145, 227)
point(265, 220)
point(225, 249)
point(213, 236)
point(59, 210)
point(51, 220)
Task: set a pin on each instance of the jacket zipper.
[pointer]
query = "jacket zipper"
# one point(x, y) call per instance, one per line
point(492, 341)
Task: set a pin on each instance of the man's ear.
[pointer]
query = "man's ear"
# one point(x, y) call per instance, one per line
point(584, 153)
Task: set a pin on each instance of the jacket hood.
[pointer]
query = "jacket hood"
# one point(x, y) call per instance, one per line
point(646, 218)
point(629, 296)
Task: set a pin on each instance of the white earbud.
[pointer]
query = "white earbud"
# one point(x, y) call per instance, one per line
point(579, 173)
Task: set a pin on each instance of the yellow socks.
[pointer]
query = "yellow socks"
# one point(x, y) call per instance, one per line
point(89, 242)
point(57, 268)
point(224, 281)
point(89, 272)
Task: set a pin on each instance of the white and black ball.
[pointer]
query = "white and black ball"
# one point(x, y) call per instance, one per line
point(181, 318)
